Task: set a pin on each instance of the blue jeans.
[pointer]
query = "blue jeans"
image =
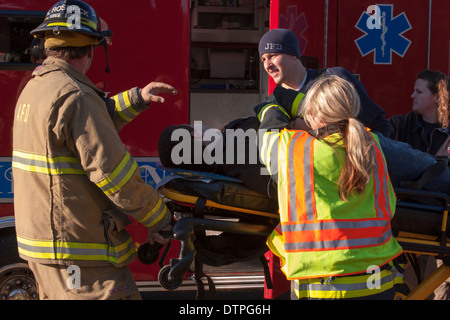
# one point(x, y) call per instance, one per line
point(406, 164)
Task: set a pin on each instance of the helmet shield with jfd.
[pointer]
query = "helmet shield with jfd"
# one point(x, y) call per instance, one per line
point(73, 23)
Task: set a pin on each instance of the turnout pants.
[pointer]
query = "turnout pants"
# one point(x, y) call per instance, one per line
point(57, 282)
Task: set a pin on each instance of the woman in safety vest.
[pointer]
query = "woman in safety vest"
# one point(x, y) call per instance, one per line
point(335, 197)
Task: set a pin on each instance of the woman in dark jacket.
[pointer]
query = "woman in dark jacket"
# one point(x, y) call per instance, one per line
point(426, 127)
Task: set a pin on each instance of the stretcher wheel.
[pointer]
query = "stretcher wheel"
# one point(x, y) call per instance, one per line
point(166, 282)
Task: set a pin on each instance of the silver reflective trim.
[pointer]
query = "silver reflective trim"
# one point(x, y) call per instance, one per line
point(340, 243)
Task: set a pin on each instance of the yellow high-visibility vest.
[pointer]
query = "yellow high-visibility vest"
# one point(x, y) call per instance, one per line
point(319, 234)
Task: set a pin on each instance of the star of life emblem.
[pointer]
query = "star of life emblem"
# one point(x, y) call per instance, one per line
point(296, 23)
point(383, 33)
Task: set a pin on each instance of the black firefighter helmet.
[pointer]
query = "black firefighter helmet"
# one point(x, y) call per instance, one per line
point(74, 16)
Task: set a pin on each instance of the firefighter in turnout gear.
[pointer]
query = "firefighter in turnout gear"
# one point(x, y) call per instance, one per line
point(335, 197)
point(75, 183)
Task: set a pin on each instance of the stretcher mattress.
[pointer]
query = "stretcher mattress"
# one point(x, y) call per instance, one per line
point(421, 212)
point(419, 219)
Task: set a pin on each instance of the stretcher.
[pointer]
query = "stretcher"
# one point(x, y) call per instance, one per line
point(210, 228)
point(420, 225)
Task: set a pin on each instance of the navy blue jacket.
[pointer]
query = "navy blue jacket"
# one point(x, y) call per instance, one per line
point(371, 114)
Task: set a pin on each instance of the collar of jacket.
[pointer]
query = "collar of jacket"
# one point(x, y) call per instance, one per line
point(417, 124)
point(324, 131)
point(55, 64)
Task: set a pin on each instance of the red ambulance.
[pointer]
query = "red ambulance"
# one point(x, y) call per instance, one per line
point(208, 50)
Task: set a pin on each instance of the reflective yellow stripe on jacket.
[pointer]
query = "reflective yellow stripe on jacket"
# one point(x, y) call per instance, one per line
point(71, 165)
point(124, 107)
point(263, 111)
point(42, 164)
point(44, 249)
point(269, 150)
point(120, 176)
point(155, 215)
point(296, 104)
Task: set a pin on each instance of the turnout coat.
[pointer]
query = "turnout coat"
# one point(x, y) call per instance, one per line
point(75, 184)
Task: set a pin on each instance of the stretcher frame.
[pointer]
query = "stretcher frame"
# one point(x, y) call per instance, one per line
point(171, 276)
point(420, 244)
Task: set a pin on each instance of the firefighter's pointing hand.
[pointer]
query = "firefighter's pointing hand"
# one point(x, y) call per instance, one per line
point(150, 93)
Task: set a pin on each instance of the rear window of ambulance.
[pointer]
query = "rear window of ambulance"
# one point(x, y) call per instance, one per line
point(15, 39)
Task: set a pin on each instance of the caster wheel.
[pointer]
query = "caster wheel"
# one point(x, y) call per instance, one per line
point(165, 281)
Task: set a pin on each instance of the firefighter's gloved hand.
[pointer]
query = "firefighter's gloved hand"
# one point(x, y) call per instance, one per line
point(150, 93)
point(160, 236)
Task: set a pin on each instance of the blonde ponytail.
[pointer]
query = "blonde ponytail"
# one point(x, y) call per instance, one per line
point(360, 160)
point(334, 100)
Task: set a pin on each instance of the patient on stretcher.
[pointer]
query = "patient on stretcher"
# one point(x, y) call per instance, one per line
point(249, 171)
point(243, 164)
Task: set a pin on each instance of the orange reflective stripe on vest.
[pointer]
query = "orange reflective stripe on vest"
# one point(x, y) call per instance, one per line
point(335, 235)
point(381, 180)
point(301, 145)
